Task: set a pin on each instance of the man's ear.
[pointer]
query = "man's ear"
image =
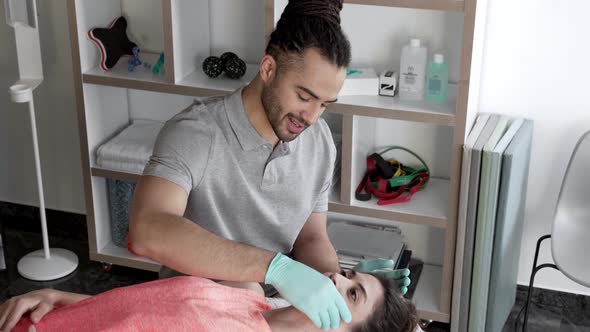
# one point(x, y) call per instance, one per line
point(268, 68)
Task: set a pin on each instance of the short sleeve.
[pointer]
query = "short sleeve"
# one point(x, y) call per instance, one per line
point(181, 151)
point(321, 204)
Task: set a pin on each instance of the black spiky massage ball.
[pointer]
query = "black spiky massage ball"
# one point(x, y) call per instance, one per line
point(212, 66)
point(225, 57)
point(235, 68)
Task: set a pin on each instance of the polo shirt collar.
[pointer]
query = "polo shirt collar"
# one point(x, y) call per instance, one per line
point(246, 133)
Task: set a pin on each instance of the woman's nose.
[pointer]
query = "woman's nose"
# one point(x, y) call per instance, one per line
point(333, 278)
point(338, 279)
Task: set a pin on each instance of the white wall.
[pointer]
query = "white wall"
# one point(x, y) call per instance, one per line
point(535, 66)
point(56, 120)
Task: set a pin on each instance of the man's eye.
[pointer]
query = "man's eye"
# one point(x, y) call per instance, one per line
point(303, 99)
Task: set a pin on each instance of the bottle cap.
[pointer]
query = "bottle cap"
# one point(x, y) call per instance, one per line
point(439, 58)
point(415, 42)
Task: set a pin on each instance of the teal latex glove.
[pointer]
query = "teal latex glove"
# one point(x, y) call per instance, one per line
point(309, 291)
point(379, 266)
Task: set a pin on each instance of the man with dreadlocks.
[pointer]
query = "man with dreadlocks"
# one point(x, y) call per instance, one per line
point(237, 186)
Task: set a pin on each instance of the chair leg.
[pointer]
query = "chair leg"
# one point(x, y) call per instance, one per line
point(532, 279)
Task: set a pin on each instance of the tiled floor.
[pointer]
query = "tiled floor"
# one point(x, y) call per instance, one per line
point(567, 312)
point(551, 311)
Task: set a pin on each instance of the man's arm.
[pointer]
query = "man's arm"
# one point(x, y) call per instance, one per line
point(159, 231)
point(313, 247)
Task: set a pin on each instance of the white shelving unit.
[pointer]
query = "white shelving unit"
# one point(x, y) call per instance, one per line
point(189, 30)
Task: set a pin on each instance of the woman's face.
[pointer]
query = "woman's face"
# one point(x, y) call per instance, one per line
point(362, 293)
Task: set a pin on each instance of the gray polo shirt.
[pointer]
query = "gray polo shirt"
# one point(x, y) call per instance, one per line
point(239, 187)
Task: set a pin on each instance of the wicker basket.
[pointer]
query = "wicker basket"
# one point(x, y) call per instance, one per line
point(120, 197)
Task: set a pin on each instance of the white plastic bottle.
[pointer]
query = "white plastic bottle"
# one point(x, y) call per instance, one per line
point(413, 71)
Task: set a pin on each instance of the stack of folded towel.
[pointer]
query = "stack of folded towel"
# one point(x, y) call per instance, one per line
point(130, 150)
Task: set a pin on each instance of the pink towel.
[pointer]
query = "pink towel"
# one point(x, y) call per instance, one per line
point(174, 304)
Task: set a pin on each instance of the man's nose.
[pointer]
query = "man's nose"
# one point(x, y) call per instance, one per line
point(311, 117)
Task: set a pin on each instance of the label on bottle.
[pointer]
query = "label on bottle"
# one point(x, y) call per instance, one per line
point(409, 75)
point(435, 85)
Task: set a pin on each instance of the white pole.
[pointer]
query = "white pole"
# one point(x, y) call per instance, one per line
point(39, 180)
point(48, 263)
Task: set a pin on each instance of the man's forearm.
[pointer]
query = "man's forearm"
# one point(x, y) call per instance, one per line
point(188, 248)
point(318, 253)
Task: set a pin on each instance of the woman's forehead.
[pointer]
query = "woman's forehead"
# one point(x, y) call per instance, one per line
point(373, 287)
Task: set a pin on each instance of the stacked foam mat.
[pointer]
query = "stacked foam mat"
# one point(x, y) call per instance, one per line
point(494, 180)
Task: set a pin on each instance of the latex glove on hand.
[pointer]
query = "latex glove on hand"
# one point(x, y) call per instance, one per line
point(381, 266)
point(309, 291)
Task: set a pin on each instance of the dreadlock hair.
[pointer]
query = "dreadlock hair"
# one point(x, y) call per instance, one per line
point(309, 24)
point(395, 314)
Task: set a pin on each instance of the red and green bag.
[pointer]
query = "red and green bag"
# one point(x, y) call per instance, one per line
point(389, 180)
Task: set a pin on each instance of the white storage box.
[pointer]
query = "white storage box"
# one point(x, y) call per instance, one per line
point(360, 81)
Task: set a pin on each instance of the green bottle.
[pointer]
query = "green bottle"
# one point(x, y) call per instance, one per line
point(437, 80)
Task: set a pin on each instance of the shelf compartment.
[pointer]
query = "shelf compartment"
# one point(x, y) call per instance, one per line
point(145, 27)
point(428, 293)
point(119, 76)
point(113, 254)
point(427, 207)
point(446, 5)
point(394, 108)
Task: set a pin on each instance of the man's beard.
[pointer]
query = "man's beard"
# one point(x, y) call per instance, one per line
point(272, 108)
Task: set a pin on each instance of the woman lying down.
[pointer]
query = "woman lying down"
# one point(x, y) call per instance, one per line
point(197, 304)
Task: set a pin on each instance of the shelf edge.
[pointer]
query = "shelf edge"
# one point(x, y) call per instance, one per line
point(447, 5)
point(388, 215)
point(123, 261)
point(394, 114)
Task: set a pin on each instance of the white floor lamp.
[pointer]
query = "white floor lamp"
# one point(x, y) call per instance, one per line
point(47, 263)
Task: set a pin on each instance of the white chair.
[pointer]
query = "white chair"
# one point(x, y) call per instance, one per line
point(570, 235)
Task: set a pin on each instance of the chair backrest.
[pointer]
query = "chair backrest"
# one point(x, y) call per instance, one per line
point(570, 236)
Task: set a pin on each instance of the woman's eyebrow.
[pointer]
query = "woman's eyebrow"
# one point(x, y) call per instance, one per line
point(311, 93)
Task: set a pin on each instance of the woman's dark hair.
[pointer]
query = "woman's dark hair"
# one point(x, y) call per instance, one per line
point(396, 314)
point(309, 24)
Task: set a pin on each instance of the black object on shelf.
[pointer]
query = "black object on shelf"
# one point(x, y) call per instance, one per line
point(404, 261)
point(212, 66)
point(235, 68)
point(415, 271)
